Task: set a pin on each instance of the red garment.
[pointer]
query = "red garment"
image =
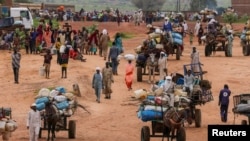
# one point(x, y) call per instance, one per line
point(40, 32)
point(129, 75)
point(93, 37)
point(72, 54)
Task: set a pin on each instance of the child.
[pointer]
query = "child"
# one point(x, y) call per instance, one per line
point(191, 36)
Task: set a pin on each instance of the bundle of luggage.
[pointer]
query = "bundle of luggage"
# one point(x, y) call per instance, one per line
point(62, 100)
point(155, 102)
point(152, 108)
point(177, 38)
point(7, 126)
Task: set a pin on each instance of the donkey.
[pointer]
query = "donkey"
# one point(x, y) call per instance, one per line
point(173, 119)
point(52, 117)
point(151, 65)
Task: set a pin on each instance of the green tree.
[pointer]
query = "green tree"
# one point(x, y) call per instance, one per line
point(197, 5)
point(148, 5)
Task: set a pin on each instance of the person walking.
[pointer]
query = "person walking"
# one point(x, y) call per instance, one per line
point(47, 62)
point(64, 61)
point(113, 56)
point(195, 60)
point(97, 84)
point(162, 64)
point(200, 34)
point(224, 102)
point(230, 39)
point(107, 80)
point(58, 45)
point(33, 123)
point(16, 58)
point(129, 71)
point(104, 40)
point(27, 43)
point(118, 42)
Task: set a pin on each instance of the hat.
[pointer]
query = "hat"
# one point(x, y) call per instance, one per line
point(166, 18)
point(97, 68)
point(33, 105)
point(168, 77)
point(162, 52)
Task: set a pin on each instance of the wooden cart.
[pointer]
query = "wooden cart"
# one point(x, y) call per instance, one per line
point(69, 126)
point(241, 99)
point(160, 131)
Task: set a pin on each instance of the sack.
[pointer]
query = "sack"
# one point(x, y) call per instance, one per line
point(129, 57)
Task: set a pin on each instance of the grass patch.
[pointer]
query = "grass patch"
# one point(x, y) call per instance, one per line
point(126, 35)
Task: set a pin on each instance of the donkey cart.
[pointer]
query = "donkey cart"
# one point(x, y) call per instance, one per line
point(159, 130)
point(241, 107)
point(69, 126)
point(214, 44)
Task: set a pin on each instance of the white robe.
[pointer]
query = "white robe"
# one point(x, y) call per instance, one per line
point(196, 28)
point(162, 64)
point(34, 124)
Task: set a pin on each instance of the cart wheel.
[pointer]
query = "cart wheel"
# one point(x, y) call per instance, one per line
point(40, 133)
point(139, 74)
point(181, 134)
point(178, 53)
point(244, 122)
point(197, 118)
point(72, 129)
point(246, 50)
point(145, 133)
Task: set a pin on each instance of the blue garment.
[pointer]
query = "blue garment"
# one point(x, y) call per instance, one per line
point(224, 102)
point(224, 96)
point(97, 85)
point(113, 52)
point(161, 83)
point(167, 27)
point(118, 44)
point(114, 65)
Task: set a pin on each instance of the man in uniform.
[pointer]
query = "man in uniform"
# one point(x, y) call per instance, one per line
point(107, 80)
point(224, 102)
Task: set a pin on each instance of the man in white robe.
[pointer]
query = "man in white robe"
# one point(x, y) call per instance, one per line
point(34, 123)
point(195, 60)
point(162, 64)
point(168, 88)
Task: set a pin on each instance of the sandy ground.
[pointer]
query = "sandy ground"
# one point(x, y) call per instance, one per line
point(116, 119)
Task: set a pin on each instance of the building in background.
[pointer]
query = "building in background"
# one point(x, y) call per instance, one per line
point(241, 7)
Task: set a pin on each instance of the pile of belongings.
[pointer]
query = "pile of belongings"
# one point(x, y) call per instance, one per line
point(7, 125)
point(62, 100)
point(243, 107)
point(229, 11)
point(207, 11)
point(155, 102)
